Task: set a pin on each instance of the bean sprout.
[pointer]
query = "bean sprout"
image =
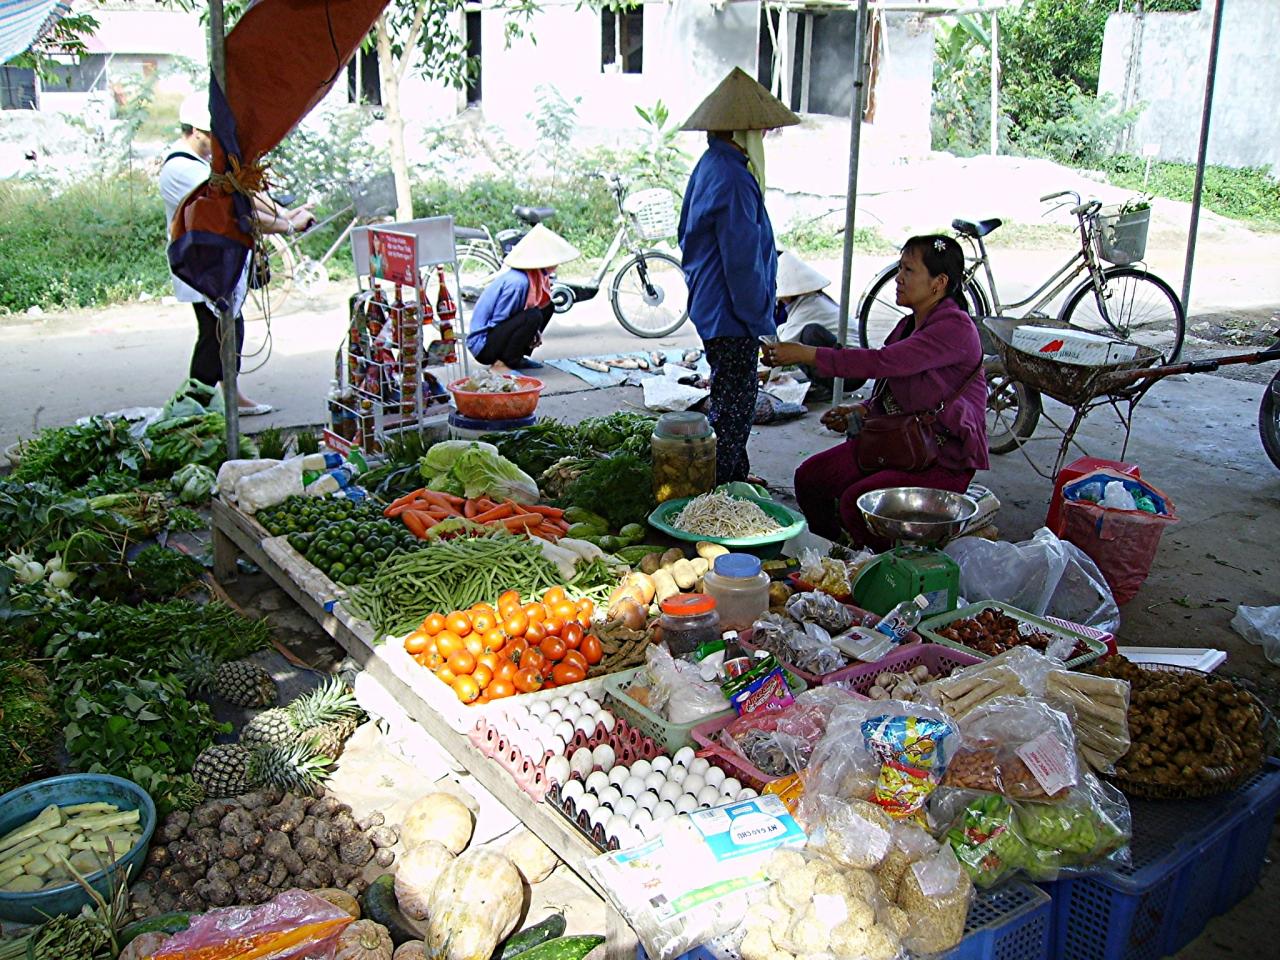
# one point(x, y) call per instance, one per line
point(720, 515)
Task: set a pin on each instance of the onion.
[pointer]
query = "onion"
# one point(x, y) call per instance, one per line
point(631, 612)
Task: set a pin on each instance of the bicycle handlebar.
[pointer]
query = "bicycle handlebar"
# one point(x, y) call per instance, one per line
point(1061, 193)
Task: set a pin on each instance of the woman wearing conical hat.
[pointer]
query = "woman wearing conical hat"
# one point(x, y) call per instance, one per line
point(729, 257)
point(805, 314)
point(513, 310)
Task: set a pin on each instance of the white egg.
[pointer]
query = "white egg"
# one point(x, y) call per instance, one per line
point(633, 787)
point(610, 796)
point(577, 698)
point(714, 776)
point(639, 816)
point(572, 790)
point(580, 762)
point(586, 724)
point(746, 794)
point(677, 773)
point(641, 768)
point(570, 713)
point(586, 803)
point(557, 769)
point(686, 804)
point(730, 788)
point(625, 806)
point(660, 763)
point(617, 828)
point(647, 800)
point(684, 756)
point(539, 709)
point(599, 816)
point(603, 756)
point(555, 745)
point(559, 703)
point(597, 781)
point(699, 765)
point(587, 706)
point(663, 811)
point(692, 784)
point(606, 718)
point(655, 782)
point(618, 775)
point(670, 791)
point(552, 718)
point(564, 730)
point(708, 796)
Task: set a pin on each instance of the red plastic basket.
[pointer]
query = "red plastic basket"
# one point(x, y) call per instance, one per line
point(937, 658)
point(820, 680)
point(498, 406)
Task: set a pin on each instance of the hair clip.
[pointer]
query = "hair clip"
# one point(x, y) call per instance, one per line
point(940, 245)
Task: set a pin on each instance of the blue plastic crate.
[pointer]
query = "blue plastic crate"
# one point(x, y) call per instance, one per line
point(1192, 859)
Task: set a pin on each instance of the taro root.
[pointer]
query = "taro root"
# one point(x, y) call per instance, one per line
point(325, 807)
point(190, 901)
point(231, 848)
point(226, 870)
point(314, 876)
point(375, 819)
point(308, 848)
point(253, 841)
point(275, 845)
point(384, 857)
point(209, 814)
point(279, 874)
point(307, 828)
point(247, 862)
point(292, 862)
point(357, 850)
point(190, 856)
point(158, 857)
point(238, 823)
point(382, 836)
point(255, 891)
point(344, 873)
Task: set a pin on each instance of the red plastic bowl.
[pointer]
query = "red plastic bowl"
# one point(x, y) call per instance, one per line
point(498, 406)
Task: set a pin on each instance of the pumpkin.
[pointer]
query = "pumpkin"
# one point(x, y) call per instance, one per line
point(441, 817)
point(413, 950)
point(475, 905)
point(417, 874)
point(340, 899)
point(364, 940)
point(532, 857)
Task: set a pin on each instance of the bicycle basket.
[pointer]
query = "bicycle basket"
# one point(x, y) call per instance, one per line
point(375, 197)
point(653, 212)
point(1122, 237)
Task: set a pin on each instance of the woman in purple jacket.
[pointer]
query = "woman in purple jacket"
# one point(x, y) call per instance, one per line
point(930, 355)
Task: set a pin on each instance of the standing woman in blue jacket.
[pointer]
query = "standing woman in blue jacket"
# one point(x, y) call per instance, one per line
point(729, 256)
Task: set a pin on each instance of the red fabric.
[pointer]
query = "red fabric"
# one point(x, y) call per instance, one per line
point(539, 288)
point(924, 369)
point(828, 486)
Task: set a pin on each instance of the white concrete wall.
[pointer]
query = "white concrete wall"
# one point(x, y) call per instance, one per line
point(1161, 59)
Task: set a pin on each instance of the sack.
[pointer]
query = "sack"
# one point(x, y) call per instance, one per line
point(259, 267)
point(897, 441)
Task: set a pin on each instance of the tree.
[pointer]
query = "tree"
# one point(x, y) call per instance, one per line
point(67, 37)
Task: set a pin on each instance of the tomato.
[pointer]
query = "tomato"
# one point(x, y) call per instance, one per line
point(505, 673)
point(419, 658)
point(553, 648)
point(509, 598)
point(572, 635)
point(553, 596)
point(568, 673)
point(575, 657)
point(483, 698)
point(488, 659)
point(516, 623)
point(535, 634)
point(458, 622)
point(433, 623)
point(483, 675)
point(513, 649)
point(536, 612)
point(532, 659)
point(528, 680)
point(585, 607)
point(482, 608)
point(553, 625)
point(462, 661)
point(433, 659)
point(449, 643)
point(565, 610)
point(482, 622)
point(446, 675)
point(591, 649)
point(417, 642)
point(500, 688)
point(466, 688)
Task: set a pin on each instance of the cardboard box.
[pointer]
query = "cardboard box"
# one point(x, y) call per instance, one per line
point(1072, 346)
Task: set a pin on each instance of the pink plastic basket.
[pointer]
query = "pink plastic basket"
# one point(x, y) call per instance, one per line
point(710, 748)
point(819, 680)
point(937, 658)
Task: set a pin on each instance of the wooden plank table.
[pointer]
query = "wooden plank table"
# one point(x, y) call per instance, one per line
point(234, 532)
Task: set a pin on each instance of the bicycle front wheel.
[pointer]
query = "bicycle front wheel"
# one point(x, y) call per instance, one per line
point(269, 300)
point(1269, 420)
point(476, 269)
point(879, 313)
point(649, 295)
point(1135, 306)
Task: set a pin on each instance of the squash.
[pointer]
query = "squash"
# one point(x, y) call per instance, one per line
point(340, 899)
point(441, 817)
point(364, 940)
point(475, 905)
point(417, 874)
point(532, 857)
point(413, 950)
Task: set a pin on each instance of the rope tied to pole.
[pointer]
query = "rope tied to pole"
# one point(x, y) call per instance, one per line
point(246, 180)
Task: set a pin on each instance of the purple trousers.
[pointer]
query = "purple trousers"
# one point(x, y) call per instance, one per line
point(828, 486)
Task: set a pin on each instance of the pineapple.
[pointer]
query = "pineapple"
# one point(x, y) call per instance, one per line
point(327, 716)
point(231, 769)
point(223, 770)
point(240, 682)
point(270, 726)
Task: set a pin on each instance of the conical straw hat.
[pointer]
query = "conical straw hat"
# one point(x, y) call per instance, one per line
point(739, 103)
point(541, 248)
point(796, 277)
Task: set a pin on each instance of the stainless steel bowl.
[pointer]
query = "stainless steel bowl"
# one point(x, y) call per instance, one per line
point(916, 514)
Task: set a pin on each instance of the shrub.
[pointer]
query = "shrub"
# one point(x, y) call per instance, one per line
point(1249, 193)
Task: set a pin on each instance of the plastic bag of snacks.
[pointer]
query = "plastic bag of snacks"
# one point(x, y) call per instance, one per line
point(912, 744)
point(677, 691)
point(934, 893)
point(820, 608)
point(1018, 747)
point(291, 926)
point(807, 646)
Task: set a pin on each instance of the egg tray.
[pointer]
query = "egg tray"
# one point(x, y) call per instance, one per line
point(579, 821)
point(530, 774)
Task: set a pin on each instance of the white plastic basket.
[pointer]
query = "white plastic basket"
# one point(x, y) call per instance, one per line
point(1122, 237)
point(653, 212)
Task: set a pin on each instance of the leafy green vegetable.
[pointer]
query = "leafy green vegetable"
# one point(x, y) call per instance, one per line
point(619, 488)
point(471, 469)
point(28, 724)
point(535, 449)
point(66, 457)
point(162, 572)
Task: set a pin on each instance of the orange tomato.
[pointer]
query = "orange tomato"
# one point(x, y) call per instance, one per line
point(458, 622)
point(499, 689)
point(553, 596)
point(466, 688)
point(416, 642)
point(513, 649)
point(516, 623)
point(483, 675)
point(553, 648)
point(591, 649)
point(508, 598)
point(553, 625)
point(433, 659)
point(585, 610)
point(532, 659)
point(474, 644)
point(482, 608)
point(535, 633)
point(420, 659)
point(462, 661)
point(572, 635)
point(565, 610)
point(575, 657)
point(483, 622)
point(446, 675)
point(567, 673)
point(494, 639)
point(536, 612)
point(506, 672)
point(528, 681)
point(483, 698)
point(433, 623)
point(488, 659)
point(449, 643)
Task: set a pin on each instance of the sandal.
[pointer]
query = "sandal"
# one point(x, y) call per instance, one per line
point(257, 410)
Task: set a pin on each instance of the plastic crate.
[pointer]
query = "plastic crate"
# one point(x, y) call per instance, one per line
point(862, 677)
point(1192, 859)
point(670, 736)
point(928, 629)
point(914, 640)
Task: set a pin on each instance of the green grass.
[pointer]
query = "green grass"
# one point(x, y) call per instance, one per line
point(815, 238)
point(1250, 194)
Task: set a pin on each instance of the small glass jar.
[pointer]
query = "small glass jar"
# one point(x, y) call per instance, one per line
point(684, 456)
point(740, 588)
point(688, 621)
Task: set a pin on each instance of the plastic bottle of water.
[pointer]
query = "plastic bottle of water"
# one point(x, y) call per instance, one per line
point(902, 619)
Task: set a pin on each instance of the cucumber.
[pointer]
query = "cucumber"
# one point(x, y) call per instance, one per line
point(583, 530)
point(530, 937)
point(563, 948)
point(583, 515)
point(169, 923)
point(634, 554)
point(379, 904)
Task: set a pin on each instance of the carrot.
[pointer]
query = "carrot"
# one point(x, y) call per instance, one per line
point(415, 523)
point(440, 513)
point(484, 503)
point(395, 511)
point(497, 513)
point(522, 521)
point(470, 509)
point(553, 513)
point(452, 499)
point(407, 498)
point(438, 499)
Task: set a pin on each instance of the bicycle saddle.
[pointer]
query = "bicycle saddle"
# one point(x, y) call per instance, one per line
point(534, 215)
point(971, 229)
point(468, 233)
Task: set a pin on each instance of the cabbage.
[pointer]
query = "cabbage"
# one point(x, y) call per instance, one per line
point(473, 468)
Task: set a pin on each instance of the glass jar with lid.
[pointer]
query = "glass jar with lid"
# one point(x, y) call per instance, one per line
point(688, 621)
point(684, 456)
point(740, 588)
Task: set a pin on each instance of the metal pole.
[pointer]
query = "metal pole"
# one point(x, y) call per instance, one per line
point(1214, 37)
point(226, 318)
point(851, 202)
point(995, 81)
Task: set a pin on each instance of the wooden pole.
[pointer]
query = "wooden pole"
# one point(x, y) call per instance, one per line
point(228, 349)
point(995, 82)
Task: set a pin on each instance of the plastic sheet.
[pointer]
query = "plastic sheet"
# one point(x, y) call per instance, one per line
point(1261, 627)
point(294, 925)
point(678, 691)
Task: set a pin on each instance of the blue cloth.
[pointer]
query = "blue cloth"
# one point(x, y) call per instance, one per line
point(498, 301)
point(726, 239)
point(23, 22)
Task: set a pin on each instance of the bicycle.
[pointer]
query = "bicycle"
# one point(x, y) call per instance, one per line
point(648, 292)
point(1122, 300)
point(292, 268)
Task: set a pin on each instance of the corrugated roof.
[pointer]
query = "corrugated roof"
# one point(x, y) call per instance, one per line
point(23, 22)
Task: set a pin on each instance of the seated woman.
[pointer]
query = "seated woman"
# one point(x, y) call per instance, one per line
point(932, 358)
point(805, 314)
point(507, 323)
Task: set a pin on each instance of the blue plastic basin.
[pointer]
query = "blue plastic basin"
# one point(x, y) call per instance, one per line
point(23, 804)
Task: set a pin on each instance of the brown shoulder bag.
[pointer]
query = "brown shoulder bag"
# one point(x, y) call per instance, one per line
point(902, 441)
